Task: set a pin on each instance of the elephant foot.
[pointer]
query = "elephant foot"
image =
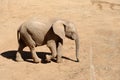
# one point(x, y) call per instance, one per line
point(19, 57)
point(48, 58)
point(37, 60)
point(59, 60)
point(53, 59)
point(19, 60)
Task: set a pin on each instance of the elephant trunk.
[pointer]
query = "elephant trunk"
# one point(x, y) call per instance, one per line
point(77, 48)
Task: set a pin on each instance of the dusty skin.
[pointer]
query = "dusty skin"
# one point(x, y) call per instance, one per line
point(99, 32)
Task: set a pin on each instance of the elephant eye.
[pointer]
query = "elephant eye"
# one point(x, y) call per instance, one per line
point(69, 33)
point(72, 32)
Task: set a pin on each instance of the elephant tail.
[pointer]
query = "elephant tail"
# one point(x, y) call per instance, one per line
point(18, 34)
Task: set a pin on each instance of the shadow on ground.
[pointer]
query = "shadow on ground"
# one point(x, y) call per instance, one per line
point(26, 55)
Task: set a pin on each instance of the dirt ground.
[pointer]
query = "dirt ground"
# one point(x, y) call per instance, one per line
point(99, 32)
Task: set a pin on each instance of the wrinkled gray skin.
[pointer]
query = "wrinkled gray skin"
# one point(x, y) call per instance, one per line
point(34, 33)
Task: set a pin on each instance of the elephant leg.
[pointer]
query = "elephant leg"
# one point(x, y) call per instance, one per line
point(34, 55)
point(18, 54)
point(31, 44)
point(59, 50)
point(52, 46)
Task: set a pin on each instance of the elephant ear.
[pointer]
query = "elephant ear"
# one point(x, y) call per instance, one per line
point(58, 29)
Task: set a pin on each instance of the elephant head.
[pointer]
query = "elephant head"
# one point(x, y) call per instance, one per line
point(67, 29)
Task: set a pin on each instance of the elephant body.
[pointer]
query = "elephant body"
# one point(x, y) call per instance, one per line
point(34, 33)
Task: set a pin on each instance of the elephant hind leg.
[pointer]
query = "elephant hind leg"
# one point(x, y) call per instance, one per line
point(27, 38)
point(34, 55)
point(19, 52)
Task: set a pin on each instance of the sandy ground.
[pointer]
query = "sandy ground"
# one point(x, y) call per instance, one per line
point(99, 38)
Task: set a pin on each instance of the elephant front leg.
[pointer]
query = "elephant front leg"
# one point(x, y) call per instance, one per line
point(52, 46)
point(59, 50)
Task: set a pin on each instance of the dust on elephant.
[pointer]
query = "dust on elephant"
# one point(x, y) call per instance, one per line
point(34, 33)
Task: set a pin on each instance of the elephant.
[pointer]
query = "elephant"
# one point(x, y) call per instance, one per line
point(35, 33)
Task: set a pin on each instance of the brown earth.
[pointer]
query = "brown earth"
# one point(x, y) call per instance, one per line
point(99, 32)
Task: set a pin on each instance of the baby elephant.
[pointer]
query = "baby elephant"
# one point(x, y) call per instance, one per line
point(34, 33)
